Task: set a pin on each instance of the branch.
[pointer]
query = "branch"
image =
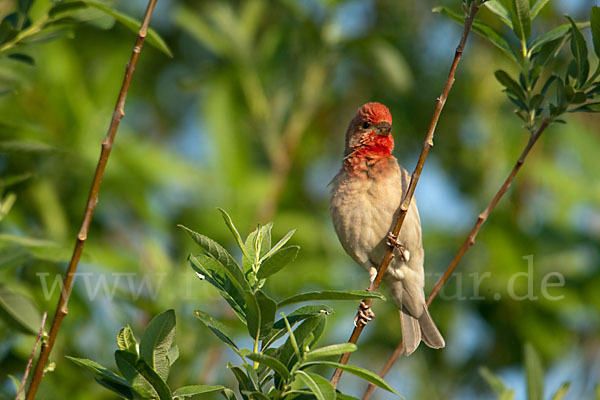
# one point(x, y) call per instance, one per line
point(469, 241)
point(61, 309)
point(30, 362)
point(414, 179)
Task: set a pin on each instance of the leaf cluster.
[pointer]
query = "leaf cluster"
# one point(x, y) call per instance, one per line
point(575, 90)
point(44, 20)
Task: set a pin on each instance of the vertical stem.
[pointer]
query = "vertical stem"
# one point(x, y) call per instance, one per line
point(61, 308)
point(414, 179)
point(469, 241)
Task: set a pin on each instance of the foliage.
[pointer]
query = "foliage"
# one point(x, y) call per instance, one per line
point(266, 371)
point(195, 136)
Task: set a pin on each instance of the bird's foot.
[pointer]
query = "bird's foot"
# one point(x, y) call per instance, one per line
point(392, 240)
point(364, 314)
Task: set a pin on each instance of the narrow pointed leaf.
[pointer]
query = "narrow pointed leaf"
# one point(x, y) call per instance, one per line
point(19, 312)
point(152, 37)
point(332, 350)
point(311, 382)
point(217, 328)
point(157, 341)
point(511, 85)
point(99, 370)
point(595, 24)
point(279, 244)
point(535, 374)
point(481, 29)
point(270, 362)
point(521, 19)
point(217, 275)
point(266, 242)
point(494, 382)
point(277, 261)
point(267, 307)
point(331, 295)
point(579, 50)
point(253, 316)
point(234, 231)
point(279, 328)
point(243, 380)
point(360, 372)
point(537, 7)
point(219, 253)
point(122, 390)
point(193, 390)
point(497, 8)
point(141, 376)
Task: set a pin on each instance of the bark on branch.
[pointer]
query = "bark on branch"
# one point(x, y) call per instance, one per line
point(427, 145)
point(119, 112)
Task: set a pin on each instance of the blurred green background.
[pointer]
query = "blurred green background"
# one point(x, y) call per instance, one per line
point(249, 115)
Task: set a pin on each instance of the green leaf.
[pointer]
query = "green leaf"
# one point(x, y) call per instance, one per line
point(511, 85)
point(219, 253)
point(24, 6)
point(562, 391)
point(193, 390)
point(320, 386)
point(152, 37)
point(265, 231)
point(244, 382)
point(253, 316)
point(233, 230)
point(217, 328)
point(332, 350)
point(126, 341)
point(537, 7)
point(122, 390)
point(173, 354)
point(556, 33)
point(278, 245)
point(279, 328)
point(360, 372)
point(595, 24)
point(481, 29)
point(521, 19)
point(342, 396)
point(156, 342)
point(16, 386)
point(277, 261)
point(331, 295)
point(217, 275)
point(141, 376)
point(579, 50)
point(267, 307)
point(61, 8)
point(496, 384)
point(497, 8)
point(24, 58)
point(19, 311)
point(99, 370)
point(535, 374)
point(270, 362)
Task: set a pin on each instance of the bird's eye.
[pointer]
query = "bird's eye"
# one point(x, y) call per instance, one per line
point(366, 125)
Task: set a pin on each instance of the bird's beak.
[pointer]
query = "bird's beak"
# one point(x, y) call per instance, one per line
point(383, 128)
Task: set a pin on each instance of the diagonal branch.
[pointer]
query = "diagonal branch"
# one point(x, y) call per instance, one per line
point(469, 241)
point(414, 179)
point(61, 309)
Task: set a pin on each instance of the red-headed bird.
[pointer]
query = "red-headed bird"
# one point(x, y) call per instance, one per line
point(366, 196)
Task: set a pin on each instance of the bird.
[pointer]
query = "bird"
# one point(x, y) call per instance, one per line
point(365, 199)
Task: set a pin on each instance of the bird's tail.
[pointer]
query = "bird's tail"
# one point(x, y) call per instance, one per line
point(416, 329)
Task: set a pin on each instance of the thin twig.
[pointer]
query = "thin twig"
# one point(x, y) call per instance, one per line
point(469, 241)
point(31, 356)
point(414, 179)
point(61, 309)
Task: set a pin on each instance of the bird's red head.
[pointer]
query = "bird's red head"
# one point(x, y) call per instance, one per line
point(370, 131)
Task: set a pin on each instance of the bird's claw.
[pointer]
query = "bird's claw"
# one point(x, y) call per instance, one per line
point(364, 314)
point(392, 240)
